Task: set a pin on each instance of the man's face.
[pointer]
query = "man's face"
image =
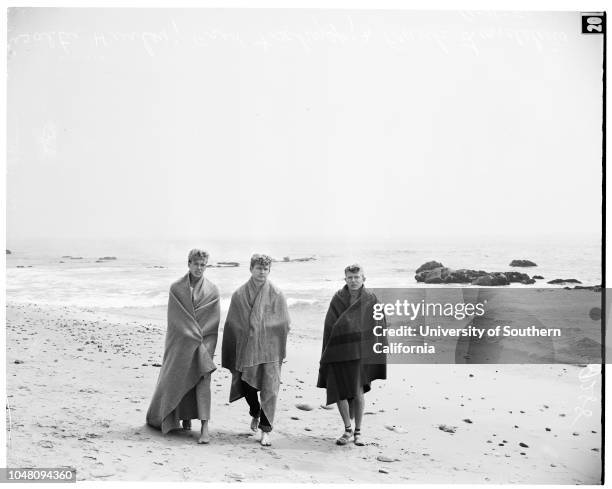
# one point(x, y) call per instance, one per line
point(197, 267)
point(260, 272)
point(354, 280)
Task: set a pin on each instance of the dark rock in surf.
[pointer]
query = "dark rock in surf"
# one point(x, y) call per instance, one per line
point(522, 263)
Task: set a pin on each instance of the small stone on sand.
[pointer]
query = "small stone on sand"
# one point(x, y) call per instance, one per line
point(447, 429)
point(305, 407)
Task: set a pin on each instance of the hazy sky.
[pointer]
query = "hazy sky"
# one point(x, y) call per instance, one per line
point(246, 123)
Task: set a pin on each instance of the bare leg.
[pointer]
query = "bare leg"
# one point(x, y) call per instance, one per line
point(204, 436)
point(359, 401)
point(359, 407)
point(343, 407)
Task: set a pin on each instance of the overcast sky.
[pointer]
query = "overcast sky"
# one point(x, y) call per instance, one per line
point(126, 123)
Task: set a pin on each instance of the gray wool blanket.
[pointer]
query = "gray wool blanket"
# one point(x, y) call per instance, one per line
point(190, 344)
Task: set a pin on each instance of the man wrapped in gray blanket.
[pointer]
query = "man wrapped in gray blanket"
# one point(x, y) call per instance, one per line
point(183, 386)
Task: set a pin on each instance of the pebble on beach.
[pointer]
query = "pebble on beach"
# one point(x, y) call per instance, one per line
point(305, 407)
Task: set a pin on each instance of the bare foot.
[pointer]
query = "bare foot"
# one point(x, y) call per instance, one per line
point(254, 424)
point(265, 439)
point(186, 424)
point(204, 436)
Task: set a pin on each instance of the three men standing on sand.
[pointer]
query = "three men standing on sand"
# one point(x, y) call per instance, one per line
point(254, 347)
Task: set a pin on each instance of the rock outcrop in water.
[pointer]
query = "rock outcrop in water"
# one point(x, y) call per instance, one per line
point(517, 277)
point(522, 263)
point(287, 259)
point(434, 272)
point(594, 288)
point(445, 275)
point(430, 265)
point(564, 281)
point(491, 280)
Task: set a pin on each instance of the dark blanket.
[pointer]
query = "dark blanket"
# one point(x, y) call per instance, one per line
point(347, 357)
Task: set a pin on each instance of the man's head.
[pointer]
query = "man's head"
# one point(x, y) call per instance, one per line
point(197, 261)
point(354, 276)
point(260, 267)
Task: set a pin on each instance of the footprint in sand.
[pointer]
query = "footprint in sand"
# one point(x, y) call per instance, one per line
point(235, 475)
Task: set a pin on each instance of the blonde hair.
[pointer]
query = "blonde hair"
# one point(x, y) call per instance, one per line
point(198, 254)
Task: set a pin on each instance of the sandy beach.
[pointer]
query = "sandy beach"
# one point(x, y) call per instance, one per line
point(79, 383)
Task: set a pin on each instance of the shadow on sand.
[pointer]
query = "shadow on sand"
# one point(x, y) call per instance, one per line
point(280, 440)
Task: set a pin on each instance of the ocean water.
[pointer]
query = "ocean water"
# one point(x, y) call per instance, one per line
point(143, 271)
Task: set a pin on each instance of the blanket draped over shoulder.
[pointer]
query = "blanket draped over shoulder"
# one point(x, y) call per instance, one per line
point(348, 341)
point(190, 344)
point(256, 327)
